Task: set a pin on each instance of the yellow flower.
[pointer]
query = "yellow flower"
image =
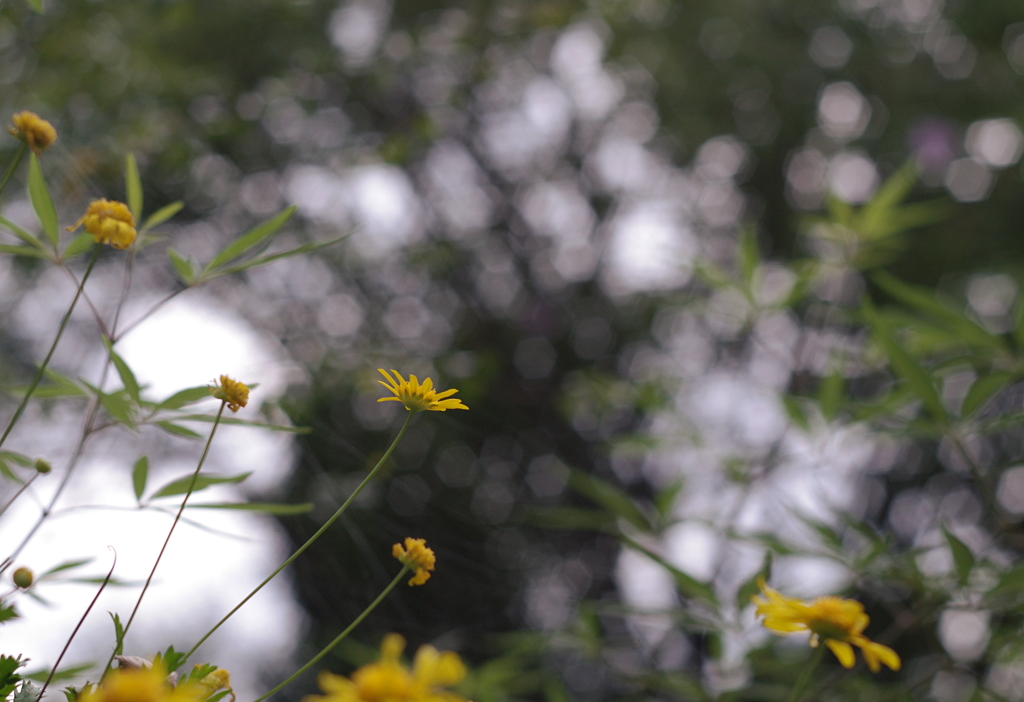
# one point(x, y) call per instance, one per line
point(387, 680)
point(219, 679)
point(416, 397)
point(146, 684)
point(836, 620)
point(33, 130)
point(417, 556)
point(109, 222)
point(232, 392)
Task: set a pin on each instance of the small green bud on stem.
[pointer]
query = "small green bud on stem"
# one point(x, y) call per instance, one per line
point(23, 578)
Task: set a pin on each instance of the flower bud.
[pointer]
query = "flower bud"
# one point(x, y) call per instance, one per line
point(23, 578)
point(43, 466)
point(33, 130)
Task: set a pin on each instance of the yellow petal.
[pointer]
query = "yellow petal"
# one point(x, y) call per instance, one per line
point(843, 651)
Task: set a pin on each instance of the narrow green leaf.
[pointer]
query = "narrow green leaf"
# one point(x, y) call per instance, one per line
point(118, 634)
point(251, 238)
point(42, 201)
point(22, 251)
point(906, 366)
point(66, 565)
point(185, 397)
point(36, 5)
point(203, 480)
point(687, 584)
point(78, 246)
point(748, 255)
point(140, 472)
point(573, 518)
point(963, 558)
point(265, 507)
point(665, 499)
point(892, 192)
point(22, 234)
point(305, 248)
point(162, 215)
point(133, 186)
point(178, 430)
point(185, 269)
point(72, 671)
point(131, 385)
point(830, 394)
point(5, 470)
point(610, 497)
point(242, 422)
point(118, 406)
point(984, 388)
point(1010, 583)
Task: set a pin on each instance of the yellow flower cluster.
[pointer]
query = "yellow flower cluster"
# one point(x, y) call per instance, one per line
point(417, 557)
point(109, 222)
point(836, 620)
point(33, 130)
point(416, 397)
point(388, 680)
point(232, 392)
point(144, 684)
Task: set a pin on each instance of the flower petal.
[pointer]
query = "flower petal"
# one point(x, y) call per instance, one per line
point(843, 651)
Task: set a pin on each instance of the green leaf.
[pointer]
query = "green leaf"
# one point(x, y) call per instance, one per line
point(21, 251)
point(36, 5)
point(172, 659)
point(830, 394)
point(984, 388)
point(665, 499)
point(751, 587)
point(265, 507)
point(873, 217)
point(1010, 583)
point(305, 248)
point(131, 385)
point(573, 518)
point(118, 634)
point(140, 472)
point(42, 202)
point(63, 386)
point(202, 481)
point(178, 430)
point(119, 406)
point(610, 497)
point(184, 397)
point(251, 238)
point(185, 269)
point(19, 458)
point(904, 365)
point(688, 585)
point(7, 613)
point(963, 558)
point(748, 255)
point(78, 246)
point(133, 186)
point(66, 565)
point(242, 422)
point(162, 215)
point(22, 234)
point(72, 671)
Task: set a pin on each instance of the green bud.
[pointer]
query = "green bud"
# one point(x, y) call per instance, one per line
point(43, 466)
point(23, 578)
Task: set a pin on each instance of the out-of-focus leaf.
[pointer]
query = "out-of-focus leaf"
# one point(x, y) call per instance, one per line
point(42, 201)
point(305, 248)
point(162, 215)
point(573, 518)
point(1010, 583)
point(15, 457)
point(795, 410)
point(140, 473)
point(984, 388)
point(133, 186)
point(21, 251)
point(687, 584)
point(905, 366)
point(610, 497)
point(251, 238)
point(665, 499)
point(830, 394)
point(66, 565)
point(873, 220)
point(172, 659)
point(119, 406)
point(963, 558)
point(131, 385)
point(202, 481)
point(23, 235)
point(185, 397)
point(118, 634)
point(178, 430)
point(751, 587)
point(265, 507)
point(7, 613)
point(748, 255)
point(72, 671)
point(185, 269)
point(242, 422)
point(78, 246)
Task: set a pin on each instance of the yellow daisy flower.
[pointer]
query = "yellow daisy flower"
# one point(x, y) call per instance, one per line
point(144, 684)
point(416, 397)
point(417, 556)
point(33, 130)
point(109, 222)
point(388, 680)
point(836, 620)
point(232, 392)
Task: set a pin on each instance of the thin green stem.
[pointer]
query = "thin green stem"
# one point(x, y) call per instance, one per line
point(53, 347)
point(314, 537)
point(170, 532)
point(13, 166)
point(805, 675)
point(330, 647)
point(18, 493)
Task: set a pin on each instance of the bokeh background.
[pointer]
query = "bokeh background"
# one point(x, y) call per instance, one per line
point(542, 200)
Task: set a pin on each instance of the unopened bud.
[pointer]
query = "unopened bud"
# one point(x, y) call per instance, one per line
point(43, 466)
point(23, 578)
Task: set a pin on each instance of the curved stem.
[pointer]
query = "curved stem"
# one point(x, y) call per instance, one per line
point(314, 537)
point(60, 331)
point(337, 640)
point(18, 493)
point(170, 532)
point(13, 166)
point(805, 675)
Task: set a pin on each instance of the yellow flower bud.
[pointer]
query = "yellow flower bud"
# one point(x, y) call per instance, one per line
point(109, 222)
point(33, 130)
point(232, 392)
point(417, 557)
point(24, 577)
